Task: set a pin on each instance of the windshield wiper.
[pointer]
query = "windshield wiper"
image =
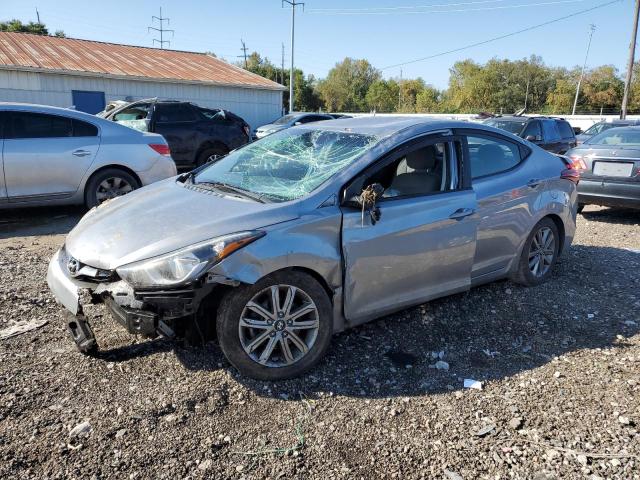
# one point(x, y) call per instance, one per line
point(234, 189)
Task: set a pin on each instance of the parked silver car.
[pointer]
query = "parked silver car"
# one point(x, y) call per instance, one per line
point(316, 229)
point(291, 120)
point(56, 156)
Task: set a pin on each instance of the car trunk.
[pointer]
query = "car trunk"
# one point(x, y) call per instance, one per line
point(612, 164)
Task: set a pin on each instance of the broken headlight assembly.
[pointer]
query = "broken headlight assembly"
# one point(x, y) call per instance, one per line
point(184, 265)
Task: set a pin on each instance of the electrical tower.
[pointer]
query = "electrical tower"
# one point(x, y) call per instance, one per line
point(161, 29)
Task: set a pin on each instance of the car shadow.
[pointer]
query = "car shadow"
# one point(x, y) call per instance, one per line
point(624, 216)
point(493, 332)
point(27, 222)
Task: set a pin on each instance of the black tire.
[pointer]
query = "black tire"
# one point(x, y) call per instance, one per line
point(210, 155)
point(94, 189)
point(232, 307)
point(525, 275)
point(580, 207)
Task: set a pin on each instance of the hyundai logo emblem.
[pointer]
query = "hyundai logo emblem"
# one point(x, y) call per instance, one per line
point(73, 266)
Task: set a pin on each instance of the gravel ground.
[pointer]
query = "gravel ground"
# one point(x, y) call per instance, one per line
point(559, 366)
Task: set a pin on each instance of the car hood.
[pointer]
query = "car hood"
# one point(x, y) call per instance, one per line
point(161, 218)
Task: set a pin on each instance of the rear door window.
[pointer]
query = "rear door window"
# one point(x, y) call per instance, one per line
point(84, 129)
point(491, 155)
point(533, 129)
point(565, 130)
point(550, 130)
point(169, 113)
point(39, 125)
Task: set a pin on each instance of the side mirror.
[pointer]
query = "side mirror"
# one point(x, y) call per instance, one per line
point(533, 138)
point(367, 201)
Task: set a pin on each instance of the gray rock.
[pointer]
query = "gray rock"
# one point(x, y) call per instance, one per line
point(81, 430)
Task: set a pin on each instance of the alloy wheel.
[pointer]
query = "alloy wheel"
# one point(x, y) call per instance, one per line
point(541, 252)
point(279, 326)
point(112, 187)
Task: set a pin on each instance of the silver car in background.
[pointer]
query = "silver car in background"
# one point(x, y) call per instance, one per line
point(291, 120)
point(57, 156)
point(316, 229)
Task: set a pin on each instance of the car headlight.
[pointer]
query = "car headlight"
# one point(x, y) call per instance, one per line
point(185, 265)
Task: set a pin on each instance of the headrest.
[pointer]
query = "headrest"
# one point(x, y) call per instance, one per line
point(423, 159)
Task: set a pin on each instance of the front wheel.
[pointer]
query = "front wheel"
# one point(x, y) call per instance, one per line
point(539, 254)
point(276, 329)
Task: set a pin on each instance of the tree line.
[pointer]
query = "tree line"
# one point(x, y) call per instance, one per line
point(36, 28)
point(497, 86)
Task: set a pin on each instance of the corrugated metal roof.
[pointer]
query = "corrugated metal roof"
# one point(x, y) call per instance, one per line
point(26, 51)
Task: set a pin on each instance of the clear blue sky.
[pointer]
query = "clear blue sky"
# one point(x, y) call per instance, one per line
point(385, 34)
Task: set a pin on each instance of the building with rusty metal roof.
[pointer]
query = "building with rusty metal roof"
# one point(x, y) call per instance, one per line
point(86, 75)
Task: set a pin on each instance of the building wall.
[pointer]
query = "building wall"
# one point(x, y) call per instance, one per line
point(256, 106)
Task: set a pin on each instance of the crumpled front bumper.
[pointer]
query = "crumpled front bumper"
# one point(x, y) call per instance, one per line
point(146, 313)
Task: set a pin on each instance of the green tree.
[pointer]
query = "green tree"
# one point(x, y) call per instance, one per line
point(603, 89)
point(409, 90)
point(383, 95)
point(428, 100)
point(31, 27)
point(346, 86)
point(560, 99)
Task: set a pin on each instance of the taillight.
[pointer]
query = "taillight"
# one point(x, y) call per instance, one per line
point(161, 148)
point(571, 174)
point(577, 162)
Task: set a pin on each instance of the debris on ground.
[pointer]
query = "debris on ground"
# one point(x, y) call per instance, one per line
point(20, 328)
point(359, 414)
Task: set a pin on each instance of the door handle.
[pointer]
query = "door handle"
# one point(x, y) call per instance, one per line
point(533, 183)
point(462, 213)
point(81, 153)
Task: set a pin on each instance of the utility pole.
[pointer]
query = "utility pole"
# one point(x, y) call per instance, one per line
point(293, 4)
point(632, 55)
point(161, 21)
point(526, 95)
point(38, 14)
point(400, 92)
point(282, 71)
point(592, 29)
point(244, 51)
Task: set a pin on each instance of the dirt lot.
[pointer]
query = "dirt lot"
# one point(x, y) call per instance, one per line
point(559, 366)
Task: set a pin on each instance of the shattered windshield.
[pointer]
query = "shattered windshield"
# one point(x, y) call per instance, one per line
point(514, 127)
point(288, 164)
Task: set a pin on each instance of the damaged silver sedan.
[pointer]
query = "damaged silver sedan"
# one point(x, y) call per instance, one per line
point(316, 229)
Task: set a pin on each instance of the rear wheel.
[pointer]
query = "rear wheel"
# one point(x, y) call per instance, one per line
point(108, 184)
point(539, 254)
point(210, 155)
point(278, 328)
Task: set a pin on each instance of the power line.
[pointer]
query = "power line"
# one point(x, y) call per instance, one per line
point(411, 7)
point(421, 12)
point(501, 37)
point(161, 21)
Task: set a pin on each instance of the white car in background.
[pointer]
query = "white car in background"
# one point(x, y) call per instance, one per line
point(57, 156)
point(290, 120)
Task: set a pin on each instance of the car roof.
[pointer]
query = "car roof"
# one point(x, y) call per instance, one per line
point(32, 107)
point(383, 126)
